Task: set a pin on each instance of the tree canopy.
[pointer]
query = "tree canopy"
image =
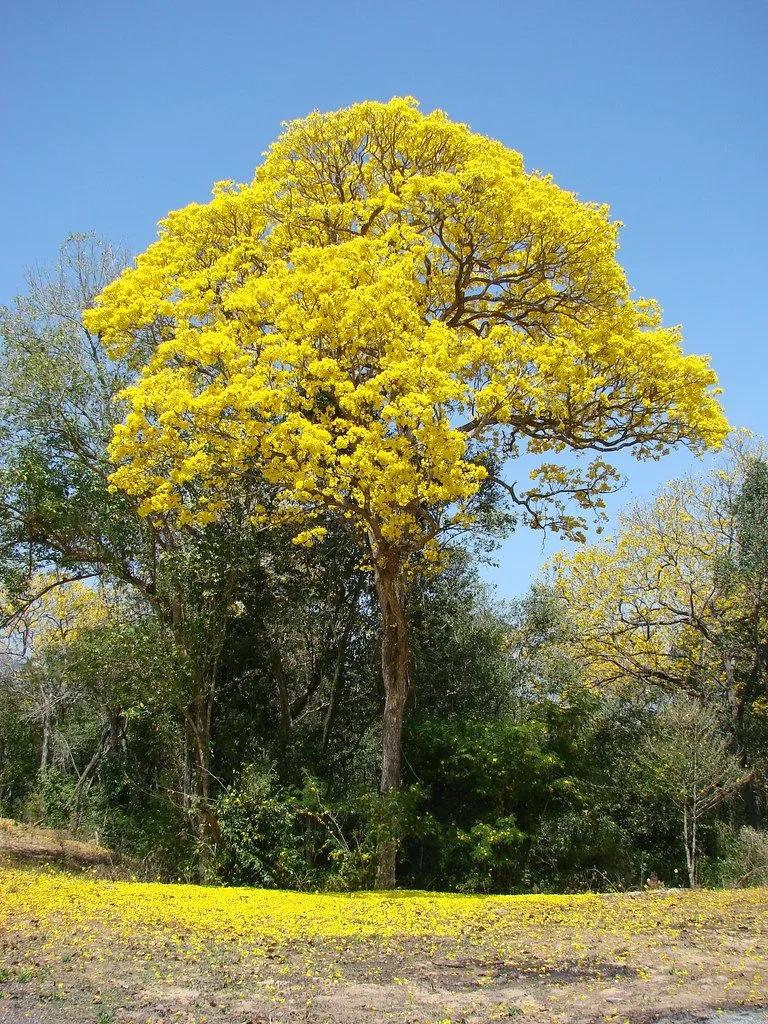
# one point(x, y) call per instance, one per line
point(390, 310)
point(677, 599)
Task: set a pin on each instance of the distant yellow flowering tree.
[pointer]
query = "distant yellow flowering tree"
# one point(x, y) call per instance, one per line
point(36, 644)
point(386, 316)
point(678, 599)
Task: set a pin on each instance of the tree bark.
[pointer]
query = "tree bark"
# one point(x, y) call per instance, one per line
point(198, 718)
point(86, 777)
point(46, 740)
point(690, 852)
point(737, 701)
point(186, 785)
point(285, 721)
point(391, 592)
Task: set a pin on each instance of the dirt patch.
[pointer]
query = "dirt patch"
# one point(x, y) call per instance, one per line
point(20, 843)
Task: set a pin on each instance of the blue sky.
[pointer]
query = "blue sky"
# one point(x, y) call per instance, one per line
point(114, 113)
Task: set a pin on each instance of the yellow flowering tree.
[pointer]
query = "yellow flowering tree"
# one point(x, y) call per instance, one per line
point(678, 600)
point(37, 642)
point(377, 325)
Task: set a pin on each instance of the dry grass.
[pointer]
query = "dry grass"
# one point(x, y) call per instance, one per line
point(20, 843)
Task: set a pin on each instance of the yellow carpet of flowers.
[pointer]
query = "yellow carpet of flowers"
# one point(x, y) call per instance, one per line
point(81, 935)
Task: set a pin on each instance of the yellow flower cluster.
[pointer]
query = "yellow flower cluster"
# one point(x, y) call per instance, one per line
point(391, 305)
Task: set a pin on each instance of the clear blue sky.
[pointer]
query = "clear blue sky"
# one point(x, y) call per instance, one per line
point(114, 113)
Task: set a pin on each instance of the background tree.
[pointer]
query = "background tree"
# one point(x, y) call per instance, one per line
point(59, 521)
point(378, 326)
point(686, 756)
point(678, 601)
point(45, 651)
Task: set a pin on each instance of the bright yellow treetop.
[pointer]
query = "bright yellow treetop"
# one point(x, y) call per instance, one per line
point(62, 612)
point(656, 603)
point(386, 315)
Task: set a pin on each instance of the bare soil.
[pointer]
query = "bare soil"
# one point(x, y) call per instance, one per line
point(21, 843)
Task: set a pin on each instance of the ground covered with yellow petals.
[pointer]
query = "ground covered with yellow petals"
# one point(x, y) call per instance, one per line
point(77, 949)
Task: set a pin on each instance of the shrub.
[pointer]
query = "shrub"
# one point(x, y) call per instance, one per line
point(746, 863)
point(260, 834)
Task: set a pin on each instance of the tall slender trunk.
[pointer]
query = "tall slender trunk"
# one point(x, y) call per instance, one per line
point(186, 785)
point(285, 721)
point(737, 701)
point(88, 774)
point(203, 738)
point(337, 683)
point(46, 740)
point(391, 592)
point(198, 718)
point(690, 845)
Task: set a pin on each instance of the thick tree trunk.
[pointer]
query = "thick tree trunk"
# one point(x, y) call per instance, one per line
point(391, 591)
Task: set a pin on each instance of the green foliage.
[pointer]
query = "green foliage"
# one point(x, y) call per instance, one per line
point(494, 853)
point(459, 643)
point(51, 800)
point(746, 859)
point(580, 848)
point(487, 785)
point(260, 834)
point(19, 755)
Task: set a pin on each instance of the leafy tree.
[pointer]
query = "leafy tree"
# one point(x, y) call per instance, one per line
point(59, 403)
point(79, 715)
point(487, 785)
point(459, 643)
point(687, 756)
point(541, 669)
point(678, 600)
point(377, 326)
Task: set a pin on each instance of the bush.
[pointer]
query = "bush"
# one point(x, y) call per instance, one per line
point(260, 834)
point(746, 862)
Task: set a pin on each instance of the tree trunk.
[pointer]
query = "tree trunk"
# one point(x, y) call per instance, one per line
point(690, 848)
point(203, 738)
point(84, 781)
point(46, 741)
point(337, 683)
point(198, 718)
point(186, 785)
point(391, 592)
point(285, 721)
point(737, 705)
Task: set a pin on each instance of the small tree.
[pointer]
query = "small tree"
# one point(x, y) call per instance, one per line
point(378, 325)
point(687, 757)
